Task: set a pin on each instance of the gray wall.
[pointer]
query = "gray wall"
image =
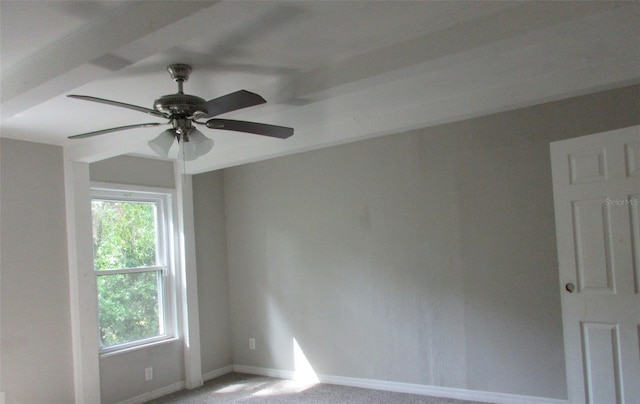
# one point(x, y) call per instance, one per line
point(426, 257)
point(134, 171)
point(36, 363)
point(213, 285)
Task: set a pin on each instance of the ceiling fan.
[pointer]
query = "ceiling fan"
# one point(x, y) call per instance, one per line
point(183, 111)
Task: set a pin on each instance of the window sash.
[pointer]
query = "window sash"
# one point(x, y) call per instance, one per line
point(134, 344)
point(102, 272)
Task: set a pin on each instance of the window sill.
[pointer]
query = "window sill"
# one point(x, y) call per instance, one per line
point(138, 347)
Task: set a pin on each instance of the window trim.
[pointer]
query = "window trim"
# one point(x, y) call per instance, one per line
point(167, 250)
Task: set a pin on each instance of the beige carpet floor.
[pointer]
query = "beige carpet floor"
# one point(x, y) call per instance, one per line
point(241, 388)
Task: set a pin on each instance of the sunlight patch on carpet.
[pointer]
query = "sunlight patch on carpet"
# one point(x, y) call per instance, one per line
point(234, 388)
point(284, 387)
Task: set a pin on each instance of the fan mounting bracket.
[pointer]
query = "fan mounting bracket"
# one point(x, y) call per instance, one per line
point(179, 72)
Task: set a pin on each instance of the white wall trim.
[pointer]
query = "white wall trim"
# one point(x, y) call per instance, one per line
point(157, 393)
point(82, 285)
point(188, 279)
point(435, 391)
point(217, 373)
point(110, 186)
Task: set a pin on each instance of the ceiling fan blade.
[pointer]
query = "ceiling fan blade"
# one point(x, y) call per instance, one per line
point(263, 129)
point(103, 131)
point(120, 104)
point(231, 102)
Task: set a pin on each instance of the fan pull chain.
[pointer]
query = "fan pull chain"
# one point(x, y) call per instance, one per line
point(184, 166)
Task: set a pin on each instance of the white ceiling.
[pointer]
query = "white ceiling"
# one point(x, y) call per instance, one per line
point(335, 71)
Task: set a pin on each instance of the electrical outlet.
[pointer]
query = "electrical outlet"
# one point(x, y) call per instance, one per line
point(252, 344)
point(148, 374)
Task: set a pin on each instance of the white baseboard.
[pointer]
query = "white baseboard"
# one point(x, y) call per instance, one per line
point(217, 373)
point(425, 390)
point(252, 370)
point(162, 391)
point(435, 391)
point(172, 388)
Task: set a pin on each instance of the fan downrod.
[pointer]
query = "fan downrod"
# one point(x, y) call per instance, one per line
point(180, 104)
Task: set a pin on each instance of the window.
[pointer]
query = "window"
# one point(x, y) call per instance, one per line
point(132, 263)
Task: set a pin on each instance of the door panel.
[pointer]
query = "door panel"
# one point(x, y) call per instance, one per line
point(593, 248)
point(633, 159)
point(602, 361)
point(588, 167)
point(635, 238)
point(596, 182)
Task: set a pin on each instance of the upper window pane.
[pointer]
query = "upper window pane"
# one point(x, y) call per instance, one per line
point(124, 234)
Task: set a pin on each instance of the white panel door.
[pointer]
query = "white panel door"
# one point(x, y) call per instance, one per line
point(596, 185)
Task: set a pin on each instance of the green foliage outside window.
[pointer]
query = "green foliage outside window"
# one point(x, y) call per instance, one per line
point(124, 236)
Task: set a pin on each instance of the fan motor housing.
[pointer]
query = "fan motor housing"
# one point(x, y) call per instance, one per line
point(180, 104)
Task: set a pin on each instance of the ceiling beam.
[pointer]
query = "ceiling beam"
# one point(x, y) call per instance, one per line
point(89, 53)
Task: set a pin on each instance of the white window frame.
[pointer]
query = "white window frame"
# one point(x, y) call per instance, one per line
point(166, 256)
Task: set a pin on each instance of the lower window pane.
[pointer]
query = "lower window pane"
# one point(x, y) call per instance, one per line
point(128, 307)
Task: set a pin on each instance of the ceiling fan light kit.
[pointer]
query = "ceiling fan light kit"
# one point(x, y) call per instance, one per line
point(162, 144)
point(183, 111)
point(188, 151)
point(201, 144)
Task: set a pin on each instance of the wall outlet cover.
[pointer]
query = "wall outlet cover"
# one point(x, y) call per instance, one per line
point(148, 374)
